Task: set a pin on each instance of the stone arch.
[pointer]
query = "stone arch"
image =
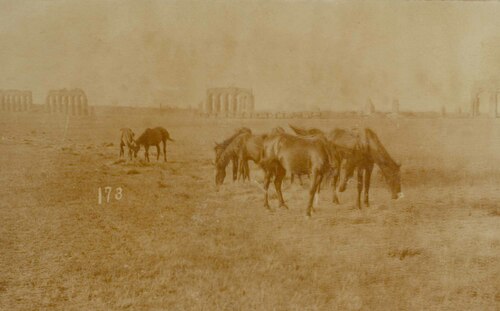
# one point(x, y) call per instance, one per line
point(216, 103)
point(208, 106)
point(72, 105)
point(485, 91)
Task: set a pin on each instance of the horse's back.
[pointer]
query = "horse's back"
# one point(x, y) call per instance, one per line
point(127, 136)
point(296, 154)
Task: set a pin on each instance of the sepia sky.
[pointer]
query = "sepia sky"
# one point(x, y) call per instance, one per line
point(293, 54)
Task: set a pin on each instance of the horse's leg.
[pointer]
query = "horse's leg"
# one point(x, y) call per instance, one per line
point(319, 184)
point(235, 168)
point(130, 153)
point(291, 178)
point(157, 152)
point(368, 175)
point(278, 180)
point(300, 180)
point(122, 152)
point(360, 185)
point(312, 191)
point(318, 187)
point(336, 177)
point(165, 150)
point(146, 152)
point(247, 171)
point(267, 181)
point(241, 173)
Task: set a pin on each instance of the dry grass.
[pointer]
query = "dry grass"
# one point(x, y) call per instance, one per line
point(174, 243)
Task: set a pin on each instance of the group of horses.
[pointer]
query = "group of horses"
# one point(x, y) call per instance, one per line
point(150, 137)
point(310, 152)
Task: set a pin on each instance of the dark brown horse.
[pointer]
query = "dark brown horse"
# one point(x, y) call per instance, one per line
point(360, 152)
point(251, 150)
point(229, 155)
point(153, 137)
point(368, 152)
point(230, 152)
point(284, 153)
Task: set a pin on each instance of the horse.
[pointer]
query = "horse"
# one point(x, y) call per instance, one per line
point(364, 156)
point(232, 156)
point(127, 139)
point(361, 154)
point(153, 137)
point(250, 150)
point(284, 153)
point(231, 152)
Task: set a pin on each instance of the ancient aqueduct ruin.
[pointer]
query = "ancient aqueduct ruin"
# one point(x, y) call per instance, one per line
point(228, 101)
point(15, 100)
point(65, 101)
point(490, 88)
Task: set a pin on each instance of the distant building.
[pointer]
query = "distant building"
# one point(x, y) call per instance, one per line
point(489, 89)
point(229, 100)
point(15, 100)
point(65, 101)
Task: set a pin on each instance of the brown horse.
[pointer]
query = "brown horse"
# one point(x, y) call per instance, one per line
point(230, 152)
point(284, 153)
point(363, 158)
point(153, 137)
point(360, 153)
point(232, 155)
point(251, 149)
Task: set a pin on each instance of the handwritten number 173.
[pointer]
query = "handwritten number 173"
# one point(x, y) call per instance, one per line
point(105, 193)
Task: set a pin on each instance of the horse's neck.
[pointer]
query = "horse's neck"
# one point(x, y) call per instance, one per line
point(383, 160)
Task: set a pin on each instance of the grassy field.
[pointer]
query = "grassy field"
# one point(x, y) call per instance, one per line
point(171, 242)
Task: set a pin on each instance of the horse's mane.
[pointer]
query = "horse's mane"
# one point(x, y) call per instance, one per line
point(233, 146)
point(306, 132)
point(378, 150)
point(229, 140)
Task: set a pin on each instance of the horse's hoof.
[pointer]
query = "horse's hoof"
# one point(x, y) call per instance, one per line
point(284, 206)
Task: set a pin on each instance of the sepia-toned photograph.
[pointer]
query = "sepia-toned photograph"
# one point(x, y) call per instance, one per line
point(249, 155)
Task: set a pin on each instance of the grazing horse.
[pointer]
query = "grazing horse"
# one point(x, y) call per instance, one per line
point(250, 150)
point(364, 156)
point(361, 153)
point(233, 157)
point(127, 139)
point(231, 152)
point(153, 137)
point(284, 153)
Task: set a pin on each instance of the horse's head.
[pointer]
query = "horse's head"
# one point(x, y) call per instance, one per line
point(218, 149)
point(220, 167)
point(135, 148)
point(393, 179)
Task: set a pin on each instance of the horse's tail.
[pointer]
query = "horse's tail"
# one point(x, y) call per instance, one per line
point(166, 135)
